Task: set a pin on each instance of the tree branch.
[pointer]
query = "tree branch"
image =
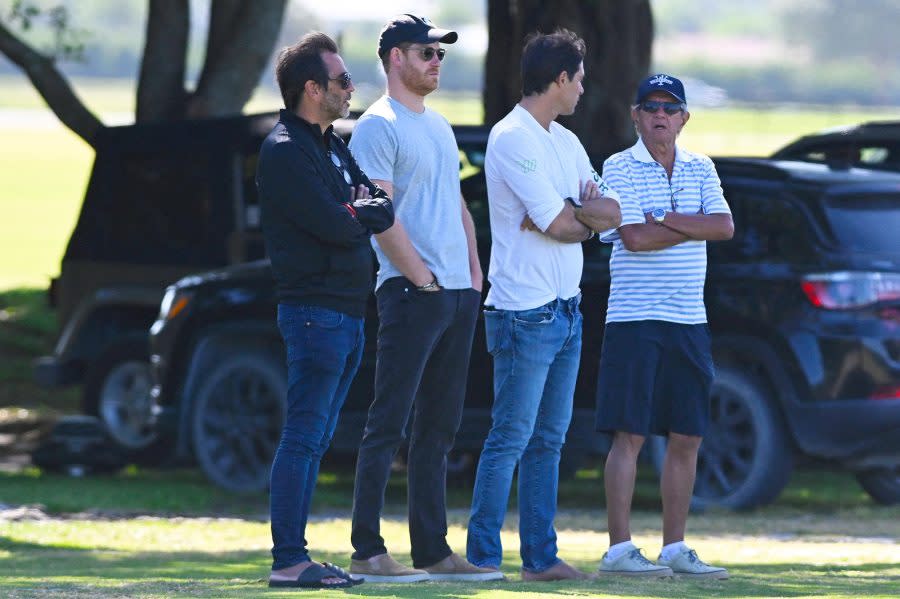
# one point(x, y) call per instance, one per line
point(244, 36)
point(52, 86)
point(222, 15)
point(160, 94)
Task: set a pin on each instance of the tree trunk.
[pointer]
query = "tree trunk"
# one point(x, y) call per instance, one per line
point(52, 86)
point(240, 42)
point(160, 93)
point(619, 37)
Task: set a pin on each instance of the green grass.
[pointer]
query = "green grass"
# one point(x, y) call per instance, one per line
point(776, 556)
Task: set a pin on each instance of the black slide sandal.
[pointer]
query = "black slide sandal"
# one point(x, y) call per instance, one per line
point(311, 578)
point(341, 573)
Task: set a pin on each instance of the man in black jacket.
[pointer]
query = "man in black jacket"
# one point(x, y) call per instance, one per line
point(318, 212)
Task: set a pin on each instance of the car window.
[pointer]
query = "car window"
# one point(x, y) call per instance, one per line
point(158, 208)
point(866, 222)
point(768, 226)
point(880, 155)
point(474, 188)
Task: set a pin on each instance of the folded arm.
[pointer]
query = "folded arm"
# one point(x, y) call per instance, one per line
point(645, 237)
point(599, 214)
point(708, 227)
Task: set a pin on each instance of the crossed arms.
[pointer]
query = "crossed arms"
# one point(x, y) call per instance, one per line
point(676, 228)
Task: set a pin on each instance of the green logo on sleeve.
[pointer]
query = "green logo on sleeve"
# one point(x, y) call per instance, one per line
point(528, 166)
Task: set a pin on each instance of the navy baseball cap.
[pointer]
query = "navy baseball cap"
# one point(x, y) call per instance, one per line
point(410, 28)
point(660, 83)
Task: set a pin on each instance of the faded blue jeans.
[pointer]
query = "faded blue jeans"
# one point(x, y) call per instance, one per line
point(324, 348)
point(536, 354)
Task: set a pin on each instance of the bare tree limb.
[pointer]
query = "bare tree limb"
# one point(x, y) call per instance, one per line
point(231, 72)
point(160, 94)
point(52, 86)
point(222, 17)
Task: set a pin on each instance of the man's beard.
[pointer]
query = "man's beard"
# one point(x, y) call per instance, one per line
point(418, 83)
point(334, 106)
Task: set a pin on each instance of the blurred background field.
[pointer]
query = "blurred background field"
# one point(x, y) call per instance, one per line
point(44, 167)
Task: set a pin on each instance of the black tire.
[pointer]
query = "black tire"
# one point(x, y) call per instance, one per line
point(882, 484)
point(236, 422)
point(746, 459)
point(117, 391)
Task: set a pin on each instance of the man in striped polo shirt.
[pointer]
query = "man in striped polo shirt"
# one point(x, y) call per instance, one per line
point(656, 364)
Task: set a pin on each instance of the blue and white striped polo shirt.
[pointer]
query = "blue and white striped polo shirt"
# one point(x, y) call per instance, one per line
point(662, 284)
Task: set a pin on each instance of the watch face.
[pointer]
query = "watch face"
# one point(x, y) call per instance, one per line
point(658, 214)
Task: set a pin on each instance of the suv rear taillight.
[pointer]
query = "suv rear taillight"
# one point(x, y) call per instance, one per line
point(844, 290)
point(888, 392)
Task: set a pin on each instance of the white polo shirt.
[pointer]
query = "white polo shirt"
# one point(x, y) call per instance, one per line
point(531, 170)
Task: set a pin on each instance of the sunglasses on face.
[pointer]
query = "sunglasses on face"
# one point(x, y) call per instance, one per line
point(671, 108)
point(344, 80)
point(428, 53)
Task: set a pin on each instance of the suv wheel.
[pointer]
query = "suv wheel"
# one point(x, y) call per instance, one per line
point(882, 484)
point(237, 419)
point(745, 459)
point(117, 391)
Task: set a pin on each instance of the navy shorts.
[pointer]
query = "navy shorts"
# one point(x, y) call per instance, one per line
point(655, 378)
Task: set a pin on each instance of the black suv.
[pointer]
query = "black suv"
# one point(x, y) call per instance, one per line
point(870, 145)
point(164, 200)
point(803, 302)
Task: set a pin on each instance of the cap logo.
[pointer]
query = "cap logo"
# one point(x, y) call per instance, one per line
point(427, 21)
point(661, 80)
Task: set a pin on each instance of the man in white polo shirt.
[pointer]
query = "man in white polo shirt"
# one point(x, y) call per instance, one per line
point(656, 365)
point(535, 169)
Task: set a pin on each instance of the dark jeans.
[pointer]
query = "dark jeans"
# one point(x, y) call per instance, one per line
point(324, 348)
point(424, 343)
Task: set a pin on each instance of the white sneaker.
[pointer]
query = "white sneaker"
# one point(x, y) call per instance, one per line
point(687, 564)
point(632, 563)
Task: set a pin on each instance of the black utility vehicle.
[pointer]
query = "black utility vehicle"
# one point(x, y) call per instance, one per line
point(803, 302)
point(163, 201)
point(870, 145)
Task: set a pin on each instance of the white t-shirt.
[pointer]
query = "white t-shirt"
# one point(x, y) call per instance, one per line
point(531, 171)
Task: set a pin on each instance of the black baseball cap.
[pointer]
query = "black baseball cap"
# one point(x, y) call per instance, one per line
point(660, 83)
point(410, 28)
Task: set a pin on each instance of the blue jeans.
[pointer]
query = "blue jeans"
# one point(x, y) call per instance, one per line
point(324, 348)
point(536, 354)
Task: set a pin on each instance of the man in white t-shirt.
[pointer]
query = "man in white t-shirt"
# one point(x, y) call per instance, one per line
point(541, 189)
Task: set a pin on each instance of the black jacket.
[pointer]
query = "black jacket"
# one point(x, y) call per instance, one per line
point(318, 242)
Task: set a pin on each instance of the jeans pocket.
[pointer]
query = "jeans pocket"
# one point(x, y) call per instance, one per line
point(323, 318)
point(495, 331)
point(536, 316)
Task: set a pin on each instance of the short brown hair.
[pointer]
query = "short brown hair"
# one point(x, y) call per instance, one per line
point(300, 63)
point(386, 58)
point(546, 56)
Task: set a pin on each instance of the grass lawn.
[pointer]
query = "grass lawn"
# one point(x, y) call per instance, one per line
point(170, 534)
point(773, 555)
